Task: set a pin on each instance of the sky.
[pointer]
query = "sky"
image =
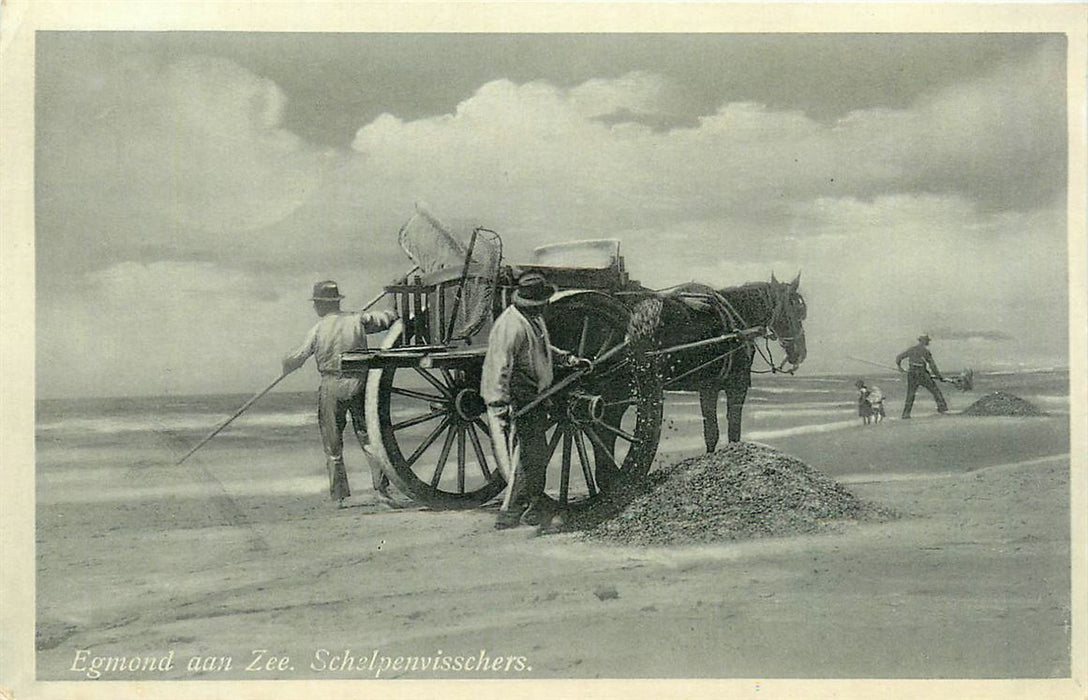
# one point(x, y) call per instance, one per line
point(191, 187)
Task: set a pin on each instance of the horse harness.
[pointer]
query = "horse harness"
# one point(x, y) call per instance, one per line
point(733, 322)
point(777, 309)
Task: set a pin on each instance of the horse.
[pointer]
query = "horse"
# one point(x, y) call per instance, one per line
point(683, 328)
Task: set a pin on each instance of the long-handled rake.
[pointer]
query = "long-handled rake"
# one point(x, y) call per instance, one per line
point(964, 381)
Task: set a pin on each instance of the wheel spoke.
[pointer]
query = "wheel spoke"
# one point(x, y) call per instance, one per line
point(583, 457)
point(479, 423)
point(554, 442)
point(442, 459)
point(448, 376)
point(564, 474)
point(434, 382)
point(422, 396)
point(601, 447)
point(615, 366)
point(607, 342)
point(428, 441)
point(460, 459)
point(631, 400)
point(582, 337)
point(620, 433)
point(479, 452)
point(419, 419)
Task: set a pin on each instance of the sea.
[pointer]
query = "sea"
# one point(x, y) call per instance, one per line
point(75, 437)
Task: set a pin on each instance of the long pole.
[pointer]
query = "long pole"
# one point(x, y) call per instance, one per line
point(381, 294)
point(228, 421)
point(875, 364)
point(709, 341)
point(569, 379)
point(247, 404)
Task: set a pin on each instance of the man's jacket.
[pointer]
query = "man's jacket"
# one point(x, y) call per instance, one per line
point(518, 365)
point(918, 357)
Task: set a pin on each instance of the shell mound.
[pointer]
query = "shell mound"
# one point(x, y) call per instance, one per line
point(741, 491)
point(1000, 403)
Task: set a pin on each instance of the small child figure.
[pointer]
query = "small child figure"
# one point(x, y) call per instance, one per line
point(865, 409)
point(876, 403)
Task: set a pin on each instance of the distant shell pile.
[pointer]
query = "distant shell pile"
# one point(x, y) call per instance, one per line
point(1000, 403)
point(741, 491)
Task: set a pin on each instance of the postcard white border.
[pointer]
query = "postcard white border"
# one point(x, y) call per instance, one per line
point(19, 19)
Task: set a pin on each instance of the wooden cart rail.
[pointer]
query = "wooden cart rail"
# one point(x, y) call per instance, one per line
point(359, 362)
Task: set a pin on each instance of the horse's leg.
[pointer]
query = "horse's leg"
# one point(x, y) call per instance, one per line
point(735, 393)
point(708, 404)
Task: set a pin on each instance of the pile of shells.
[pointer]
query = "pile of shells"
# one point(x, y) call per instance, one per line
point(1000, 403)
point(741, 491)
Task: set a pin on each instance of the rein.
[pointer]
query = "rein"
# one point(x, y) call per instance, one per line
point(777, 303)
point(733, 320)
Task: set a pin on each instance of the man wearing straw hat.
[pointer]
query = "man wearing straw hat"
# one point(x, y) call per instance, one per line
point(517, 367)
point(919, 363)
point(336, 332)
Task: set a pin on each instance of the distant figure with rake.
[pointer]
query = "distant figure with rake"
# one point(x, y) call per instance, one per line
point(334, 333)
point(920, 364)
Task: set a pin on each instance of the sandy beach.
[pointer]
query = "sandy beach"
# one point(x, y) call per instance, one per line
point(197, 569)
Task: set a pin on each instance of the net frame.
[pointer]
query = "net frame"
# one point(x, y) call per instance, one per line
point(433, 246)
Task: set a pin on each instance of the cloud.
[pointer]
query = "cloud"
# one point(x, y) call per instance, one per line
point(181, 157)
point(878, 273)
point(656, 121)
point(999, 140)
point(953, 334)
point(178, 176)
point(133, 284)
point(147, 158)
point(171, 327)
point(605, 154)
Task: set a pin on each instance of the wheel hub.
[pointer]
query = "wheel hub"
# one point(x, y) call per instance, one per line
point(469, 404)
point(583, 407)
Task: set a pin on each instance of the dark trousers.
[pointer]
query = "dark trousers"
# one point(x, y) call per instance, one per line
point(526, 448)
point(917, 377)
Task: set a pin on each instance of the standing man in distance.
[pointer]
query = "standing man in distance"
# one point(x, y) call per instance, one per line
point(336, 332)
point(518, 367)
point(919, 364)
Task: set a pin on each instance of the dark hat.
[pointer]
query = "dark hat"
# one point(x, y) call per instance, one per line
point(924, 338)
point(533, 290)
point(326, 291)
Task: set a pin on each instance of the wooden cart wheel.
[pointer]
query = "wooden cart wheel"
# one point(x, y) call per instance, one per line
point(429, 429)
point(603, 430)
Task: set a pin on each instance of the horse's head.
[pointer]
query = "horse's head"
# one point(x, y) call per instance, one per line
point(787, 318)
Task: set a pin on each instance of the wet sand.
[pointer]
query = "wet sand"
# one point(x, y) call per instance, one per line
point(239, 551)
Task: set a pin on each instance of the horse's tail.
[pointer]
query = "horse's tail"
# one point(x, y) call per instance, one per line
point(644, 322)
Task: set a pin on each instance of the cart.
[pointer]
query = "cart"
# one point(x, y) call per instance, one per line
point(426, 420)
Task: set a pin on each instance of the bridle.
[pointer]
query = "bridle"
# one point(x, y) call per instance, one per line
point(778, 299)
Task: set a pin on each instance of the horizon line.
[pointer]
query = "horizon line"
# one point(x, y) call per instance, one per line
point(814, 375)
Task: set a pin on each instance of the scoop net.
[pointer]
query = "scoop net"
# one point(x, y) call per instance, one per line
point(475, 257)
